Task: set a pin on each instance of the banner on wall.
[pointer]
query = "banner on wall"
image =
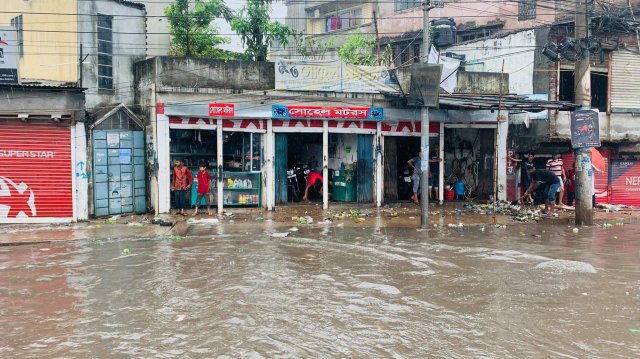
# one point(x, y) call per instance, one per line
point(333, 75)
point(334, 113)
point(9, 55)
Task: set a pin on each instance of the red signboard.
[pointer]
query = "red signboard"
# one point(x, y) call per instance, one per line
point(35, 171)
point(222, 110)
point(602, 178)
point(625, 183)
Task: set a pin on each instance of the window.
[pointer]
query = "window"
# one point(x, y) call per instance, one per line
point(19, 25)
point(599, 87)
point(527, 10)
point(343, 19)
point(406, 4)
point(105, 52)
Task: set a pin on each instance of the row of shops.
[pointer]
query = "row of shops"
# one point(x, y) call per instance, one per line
point(260, 155)
point(256, 160)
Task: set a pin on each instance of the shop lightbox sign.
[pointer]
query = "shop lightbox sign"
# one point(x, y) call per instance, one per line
point(222, 110)
point(9, 56)
point(585, 129)
point(332, 113)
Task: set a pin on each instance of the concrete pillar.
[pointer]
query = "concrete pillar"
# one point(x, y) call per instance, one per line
point(441, 174)
point(325, 165)
point(379, 170)
point(219, 161)
point(502, 128)
point(162, 147)
point(270, 180)
point(80, 171)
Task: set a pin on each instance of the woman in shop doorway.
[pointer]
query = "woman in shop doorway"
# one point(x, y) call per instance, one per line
point(180, 183)
point(314, 185)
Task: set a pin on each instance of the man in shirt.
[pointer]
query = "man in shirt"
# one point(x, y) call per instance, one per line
point(314, 183)
point(525, 179)
point(551, 183)
point(556, 166)
point(416, 164)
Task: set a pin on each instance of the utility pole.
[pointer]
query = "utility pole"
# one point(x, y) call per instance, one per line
point(424, 126)
point(582, 75)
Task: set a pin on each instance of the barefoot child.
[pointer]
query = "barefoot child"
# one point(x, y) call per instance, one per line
point(203, 177)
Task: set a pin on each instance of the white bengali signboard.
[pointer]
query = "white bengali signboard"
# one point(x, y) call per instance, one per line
point(332, 75)
point(8, 56)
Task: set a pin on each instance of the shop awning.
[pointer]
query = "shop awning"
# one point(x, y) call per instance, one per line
point(504, 102)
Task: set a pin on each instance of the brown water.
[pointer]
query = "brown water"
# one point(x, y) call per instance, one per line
point(327, 292)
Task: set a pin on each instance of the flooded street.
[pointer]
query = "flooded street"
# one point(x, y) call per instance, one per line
point(222, 291)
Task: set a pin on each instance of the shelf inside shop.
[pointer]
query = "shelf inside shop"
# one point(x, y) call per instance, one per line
point(241, 189)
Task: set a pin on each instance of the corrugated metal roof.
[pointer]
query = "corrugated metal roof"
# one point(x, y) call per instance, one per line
point(42, 86)
point(504, 102)
point(131, 4)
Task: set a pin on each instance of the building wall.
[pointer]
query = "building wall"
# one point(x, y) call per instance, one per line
point(393, 23)
point(128, 47)
point(158, 37)
point(516, 51)
point(50, 42)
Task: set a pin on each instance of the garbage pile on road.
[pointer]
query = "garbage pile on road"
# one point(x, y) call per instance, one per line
point(517, 212)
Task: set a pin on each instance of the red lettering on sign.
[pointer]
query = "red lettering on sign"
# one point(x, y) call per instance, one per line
point(222, 110)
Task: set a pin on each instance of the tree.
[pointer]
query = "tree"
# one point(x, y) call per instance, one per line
point(314, 48)
point(358, 50)
point(257, 31)
point(192, 33)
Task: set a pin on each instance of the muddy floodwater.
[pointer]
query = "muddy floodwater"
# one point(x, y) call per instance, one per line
point(532, 291)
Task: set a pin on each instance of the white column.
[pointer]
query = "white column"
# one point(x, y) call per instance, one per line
point(219, 162)
point(270, 180)
point(441, 175)
point(81, 174)
point(162, 147)
point(378, 145)
point(325, 165)
point(502, 128)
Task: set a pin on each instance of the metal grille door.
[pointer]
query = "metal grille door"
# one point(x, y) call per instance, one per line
point(118, 172)
point(365, 168)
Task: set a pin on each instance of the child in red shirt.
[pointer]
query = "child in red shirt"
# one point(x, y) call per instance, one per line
point(203, 177)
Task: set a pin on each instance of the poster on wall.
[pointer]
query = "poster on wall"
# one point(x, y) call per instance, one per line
point(332, 75)
point(9, 56)
point(585, 129)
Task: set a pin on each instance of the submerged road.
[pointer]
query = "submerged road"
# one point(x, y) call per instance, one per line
point(324, 292)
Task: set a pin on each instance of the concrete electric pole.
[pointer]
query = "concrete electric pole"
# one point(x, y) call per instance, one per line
point(424, 127)
point(582, 75)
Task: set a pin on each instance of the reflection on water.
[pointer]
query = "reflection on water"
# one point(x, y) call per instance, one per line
point(338, 292)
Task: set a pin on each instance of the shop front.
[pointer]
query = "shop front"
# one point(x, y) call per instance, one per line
point(217, 137)
point(37, 170)
point(464, 139)
point(336, 144)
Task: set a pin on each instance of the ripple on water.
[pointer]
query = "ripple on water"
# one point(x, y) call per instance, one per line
point(566, 266)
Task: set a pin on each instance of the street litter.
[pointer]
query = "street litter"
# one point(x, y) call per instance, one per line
point(180, 318)
point(305, 220)
point(259, 219)
point(126, 251)
point(205, 221)
point(359, 220)
point(279, 234)
point(293, 229)
point(175, 237)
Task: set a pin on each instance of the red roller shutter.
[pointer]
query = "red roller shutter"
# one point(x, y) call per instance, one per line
point(625, 183)
point(35, 170)
point(603, 194)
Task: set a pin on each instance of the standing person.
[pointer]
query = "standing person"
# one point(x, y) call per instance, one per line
point(203, 177)
point(415, 163)
point(570, 185)
point(181, 182)
point(313, 183)
point(525, 179)
point(556, 165)
point(551, 183)
point(434, 172)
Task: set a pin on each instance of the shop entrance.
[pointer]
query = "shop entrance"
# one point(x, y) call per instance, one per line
point(297, 155)
point(193, 148)
point(398, 150)
point(350, 165)
point(469, 161)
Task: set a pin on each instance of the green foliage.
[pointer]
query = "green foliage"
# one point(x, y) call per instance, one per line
point(192, 33)
point(358, 50)
point(257, 31)
point(314, 48)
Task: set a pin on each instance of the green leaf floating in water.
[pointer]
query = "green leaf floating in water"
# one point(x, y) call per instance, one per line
point(175, 237)
point(634, 330)
point(126, 251)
